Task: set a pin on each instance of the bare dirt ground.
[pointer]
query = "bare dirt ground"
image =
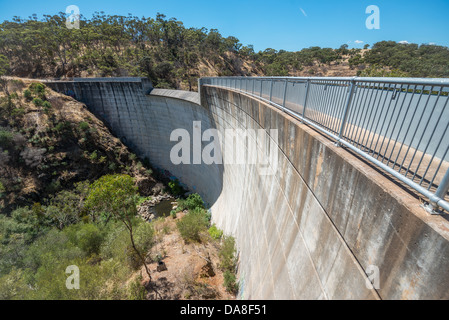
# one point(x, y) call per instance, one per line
point(193, 271)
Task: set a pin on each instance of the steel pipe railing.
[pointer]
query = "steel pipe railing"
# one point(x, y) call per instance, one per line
point(401, 125)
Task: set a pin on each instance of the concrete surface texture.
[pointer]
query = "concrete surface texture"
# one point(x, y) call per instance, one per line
point(318, 228)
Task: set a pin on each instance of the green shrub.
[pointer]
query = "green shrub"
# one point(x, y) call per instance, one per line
point(94, 156)
point(144, 236)
point(204, 214)
point(38, 102)
point(141, 200)
point(66, 207)
point(230, 282)
point(24, 225)
point(27, 94)
point(215, 233)
point(37, 88)
point(208, 216)
point(89, 239)
point(192, 225)
point(84, 126)
point(17, 112)
point(115, 243)
point(6, 138)
point(175, 188)
point(13, 286)
point(132, 258)
point(14, 96)
point(2, 188)
point(62, 126)
point(53, 187)
point(191, 203)
point(136, 290)
point(227, 254)
point(47, 106)
point(112, 166)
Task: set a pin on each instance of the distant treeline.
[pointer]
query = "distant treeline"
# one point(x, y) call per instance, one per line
point(174, 56)
point(417, 61)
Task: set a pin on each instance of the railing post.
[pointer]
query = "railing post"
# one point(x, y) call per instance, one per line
point(346, 113)
point(261, 87)
point(444, 186)
point(271, 91)
point(285, 93)
point(306, 99)
point(441, 192)
point(254, 86)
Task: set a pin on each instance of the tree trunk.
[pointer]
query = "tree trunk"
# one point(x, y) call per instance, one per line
point(138, 252)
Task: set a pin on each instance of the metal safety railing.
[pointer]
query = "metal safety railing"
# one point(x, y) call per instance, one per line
point(398, 124)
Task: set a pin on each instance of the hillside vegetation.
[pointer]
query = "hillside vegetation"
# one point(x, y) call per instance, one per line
point(174, 56)
point(49, 142)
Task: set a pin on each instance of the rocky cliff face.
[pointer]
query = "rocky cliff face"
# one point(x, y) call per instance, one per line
point(49, 141)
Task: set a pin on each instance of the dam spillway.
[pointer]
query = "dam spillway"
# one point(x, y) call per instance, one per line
point(312, 230)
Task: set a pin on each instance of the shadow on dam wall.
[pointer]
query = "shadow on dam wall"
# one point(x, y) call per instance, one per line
point(324, 226)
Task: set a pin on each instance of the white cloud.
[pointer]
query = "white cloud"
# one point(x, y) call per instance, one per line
point(432, 43)
point(303, 12)
point(358, 41)
point(404, 42)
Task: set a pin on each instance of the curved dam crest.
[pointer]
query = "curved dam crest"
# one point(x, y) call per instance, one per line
point(316, 229)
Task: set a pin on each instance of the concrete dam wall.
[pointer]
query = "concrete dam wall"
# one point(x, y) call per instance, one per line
point(145, 123)
point(323, 225)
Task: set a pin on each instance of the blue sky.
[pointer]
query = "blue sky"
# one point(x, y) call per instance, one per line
point(285, 24)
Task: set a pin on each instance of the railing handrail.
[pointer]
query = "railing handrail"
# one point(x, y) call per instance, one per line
point(415, 81)
point(324, 110)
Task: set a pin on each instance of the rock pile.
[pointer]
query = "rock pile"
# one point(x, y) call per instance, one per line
point(146, 209)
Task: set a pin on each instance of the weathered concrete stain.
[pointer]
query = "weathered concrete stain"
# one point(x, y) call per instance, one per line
point(319, 168)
